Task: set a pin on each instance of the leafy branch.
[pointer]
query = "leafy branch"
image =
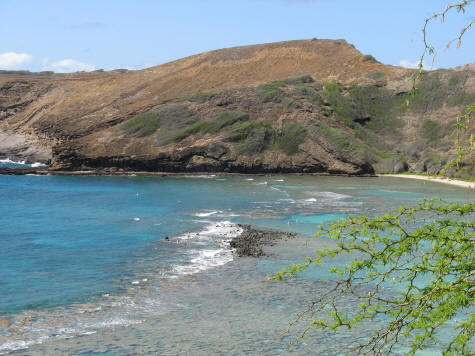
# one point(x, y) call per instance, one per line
point(428, 250)
point(429, 48)
point(461, 126)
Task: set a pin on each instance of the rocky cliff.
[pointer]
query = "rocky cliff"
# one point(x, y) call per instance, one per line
point(312, 106)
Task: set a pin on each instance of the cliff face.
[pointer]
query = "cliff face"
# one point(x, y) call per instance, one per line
point(301, 106)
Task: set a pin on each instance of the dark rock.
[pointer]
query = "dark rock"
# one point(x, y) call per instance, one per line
point(24, 170)
point(420, 167)
point(251, 241)
point(216, 150)
point(391, 165)
point(433, 170)
point(362, 120)
point(400, 167)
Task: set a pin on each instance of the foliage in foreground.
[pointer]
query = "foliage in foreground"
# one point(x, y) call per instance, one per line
point(429, 251)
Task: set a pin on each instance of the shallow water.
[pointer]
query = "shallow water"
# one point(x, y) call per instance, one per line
point(86, 268)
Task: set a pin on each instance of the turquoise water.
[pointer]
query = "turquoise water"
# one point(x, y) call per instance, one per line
point(83, 256)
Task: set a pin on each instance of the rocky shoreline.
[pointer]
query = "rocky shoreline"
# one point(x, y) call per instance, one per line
point(107, 172)
point(24, 171)
point(251, 241)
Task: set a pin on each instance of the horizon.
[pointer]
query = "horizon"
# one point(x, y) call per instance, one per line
point(115, 35)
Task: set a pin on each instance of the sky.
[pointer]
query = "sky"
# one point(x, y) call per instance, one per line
point(75, 35)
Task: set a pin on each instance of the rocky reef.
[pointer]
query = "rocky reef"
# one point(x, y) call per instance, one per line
point(251, 241)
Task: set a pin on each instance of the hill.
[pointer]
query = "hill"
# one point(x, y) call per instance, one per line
point(315, 106)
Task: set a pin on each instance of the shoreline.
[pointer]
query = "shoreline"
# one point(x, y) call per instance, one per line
point(458, 183)
point(46, 171)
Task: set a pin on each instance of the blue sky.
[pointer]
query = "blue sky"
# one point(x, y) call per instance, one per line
point(106, 34)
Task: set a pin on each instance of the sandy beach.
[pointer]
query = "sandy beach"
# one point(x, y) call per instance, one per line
point(450, 181)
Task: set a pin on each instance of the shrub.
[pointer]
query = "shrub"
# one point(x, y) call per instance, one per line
point(369, 58)
point(317, 99)
point(344, 141)
point(381, 106)
point(293, 134)
point(141, 125)
point(431, 94)
point(307, 78)
point(199, 97)
point(466, 172)
point(375, 108)
point(302, 90)
point(431, 130)
point(228, 118)
point(222, 120)
point(173, 119)
point(332, 88)
point(375, 75)
point(462, 99)
point(200, 126)
point(241, 130)
point(318, 86)
point(250, 137)
point(256, 141)
point(371, 139)
point(290, 103)
point(457, 80)
point(270, 92)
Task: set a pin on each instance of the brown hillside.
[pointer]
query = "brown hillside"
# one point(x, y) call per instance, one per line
point(81, 104)
point(77, 119)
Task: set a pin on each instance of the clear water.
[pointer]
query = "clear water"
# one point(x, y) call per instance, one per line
point(86, 269)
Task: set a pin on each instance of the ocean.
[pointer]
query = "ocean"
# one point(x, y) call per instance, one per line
point(140, 265)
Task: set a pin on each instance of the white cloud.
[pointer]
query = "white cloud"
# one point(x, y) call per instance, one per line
point(12, 60)
point(414, 65)
point(71, 65)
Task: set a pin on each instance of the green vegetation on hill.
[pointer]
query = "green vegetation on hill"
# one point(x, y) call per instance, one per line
point(270, 92)
point(250, 137)
point(143, 124)
point(370, 58)
point(375, 75)
point(374, 107)
point(345, 141)
point(170, 117)
point(293, 134)
point(431, 130)
point(213, 126)
point(174, 118)
point(303, 79)
point(372, 127)
point(198, 97)
point(433, 92)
